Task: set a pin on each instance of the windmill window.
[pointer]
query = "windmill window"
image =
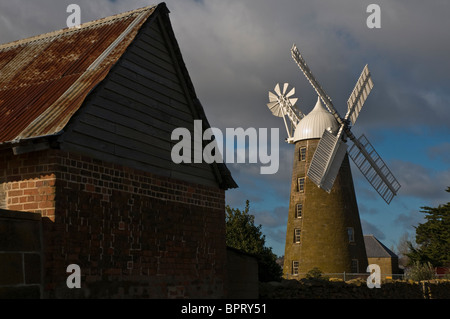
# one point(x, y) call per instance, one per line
point(301, 184)
point(297, 236)
point(298, 211)
point(295, 264)
point(302, 155)
point(351, 235)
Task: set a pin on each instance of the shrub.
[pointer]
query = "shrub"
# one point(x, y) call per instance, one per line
point(315, 273)
point(421, 271)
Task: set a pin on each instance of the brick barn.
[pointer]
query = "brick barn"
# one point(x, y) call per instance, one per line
point(86, 116)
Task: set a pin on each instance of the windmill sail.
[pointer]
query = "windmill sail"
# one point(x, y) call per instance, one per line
point(359, 95)
point(308, 74)
point(374, 169)
point(327, 160)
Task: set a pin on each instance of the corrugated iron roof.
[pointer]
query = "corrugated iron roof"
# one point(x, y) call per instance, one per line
point(45, 79)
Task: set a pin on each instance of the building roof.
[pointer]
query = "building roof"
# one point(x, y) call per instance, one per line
point(46, 78)
point(375, 249)
point(313, 124)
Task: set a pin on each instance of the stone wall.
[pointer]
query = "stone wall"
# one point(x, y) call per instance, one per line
point(324, 221)
point(388, 266)
point(354, 289)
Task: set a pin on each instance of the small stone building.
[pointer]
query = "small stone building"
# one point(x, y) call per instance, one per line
point(379, 254)
point(86, 116)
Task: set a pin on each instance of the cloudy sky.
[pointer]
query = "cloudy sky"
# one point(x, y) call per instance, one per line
point(237, 50)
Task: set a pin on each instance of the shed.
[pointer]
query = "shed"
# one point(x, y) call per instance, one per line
point(379, 254)
point(86, 116)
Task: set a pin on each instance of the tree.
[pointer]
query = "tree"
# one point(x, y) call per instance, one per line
point(403, 250)
point(242, 234)
point(433, 237)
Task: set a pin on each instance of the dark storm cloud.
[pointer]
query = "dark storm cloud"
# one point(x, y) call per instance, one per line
point(248, 53)
point(420, 182)
point(238, 50)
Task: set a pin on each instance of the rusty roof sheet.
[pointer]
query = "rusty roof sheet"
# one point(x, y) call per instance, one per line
point(45, 79)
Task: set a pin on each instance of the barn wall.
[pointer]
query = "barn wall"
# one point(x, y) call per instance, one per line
point(134, 234)
point(27, 182)
point(130, 117)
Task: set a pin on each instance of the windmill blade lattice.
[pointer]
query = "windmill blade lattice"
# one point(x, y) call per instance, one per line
point(374, 169)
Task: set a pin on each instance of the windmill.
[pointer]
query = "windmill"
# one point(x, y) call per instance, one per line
point(332, 147)
point(324, 229)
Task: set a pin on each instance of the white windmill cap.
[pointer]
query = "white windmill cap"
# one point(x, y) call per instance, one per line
point(313, 124)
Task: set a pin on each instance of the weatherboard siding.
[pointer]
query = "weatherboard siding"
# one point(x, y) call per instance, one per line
point(130, 117)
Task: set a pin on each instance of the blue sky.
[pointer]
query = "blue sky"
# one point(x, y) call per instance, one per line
point(236, 51)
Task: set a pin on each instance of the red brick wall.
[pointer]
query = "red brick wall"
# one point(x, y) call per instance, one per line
point(27, 183)
point(133, 234)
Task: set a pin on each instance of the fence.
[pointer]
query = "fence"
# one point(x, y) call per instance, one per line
point(342, 276)
point(345, 276)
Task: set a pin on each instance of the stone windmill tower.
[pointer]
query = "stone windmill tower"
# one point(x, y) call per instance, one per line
point(324, 228)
